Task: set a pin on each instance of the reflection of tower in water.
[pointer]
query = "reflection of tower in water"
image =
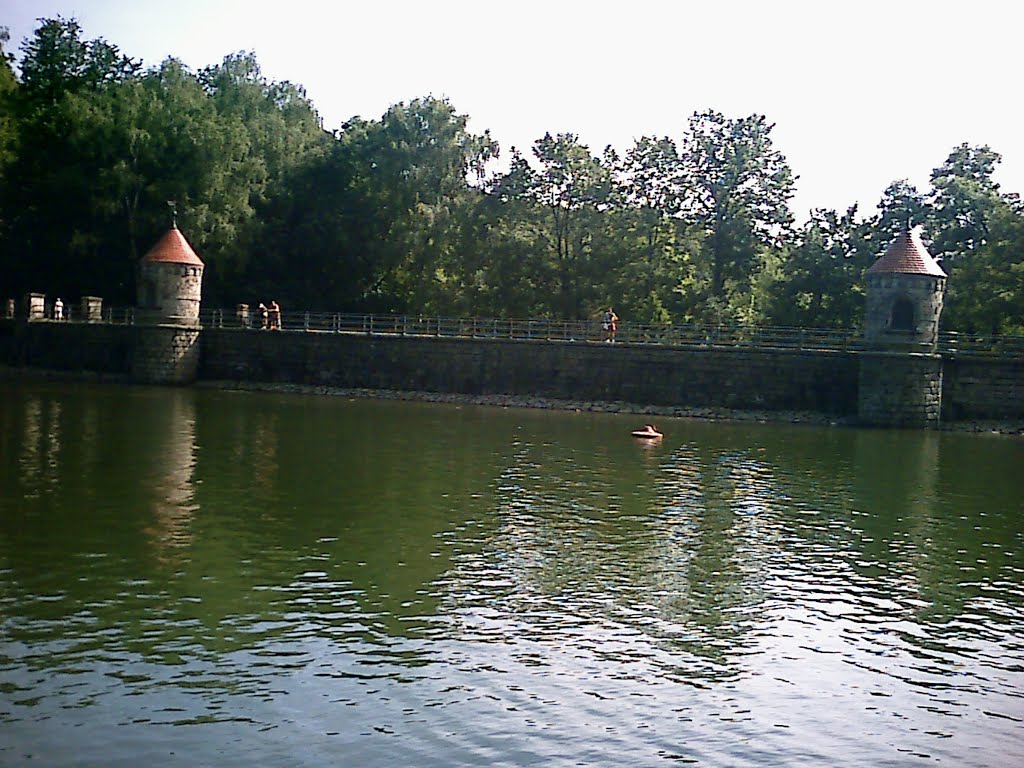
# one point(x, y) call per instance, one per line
point(897, 501)
point(172, 479)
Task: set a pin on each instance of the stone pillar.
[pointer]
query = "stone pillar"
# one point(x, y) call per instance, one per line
point(92, 309)
point(165, 354)
point(899, 389)
point(35, 304)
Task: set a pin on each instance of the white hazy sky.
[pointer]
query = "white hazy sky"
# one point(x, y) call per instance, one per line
point(862, 92)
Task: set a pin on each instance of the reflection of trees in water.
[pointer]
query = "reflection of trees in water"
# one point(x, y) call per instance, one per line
point(328, 520)
point(656, 561)
point(904, 536)
point(708, 550)
point(314, 535)
point(260, 453)
point(711, 541)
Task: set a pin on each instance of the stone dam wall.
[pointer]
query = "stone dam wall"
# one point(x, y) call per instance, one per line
point(982, 388)
point(751, 379)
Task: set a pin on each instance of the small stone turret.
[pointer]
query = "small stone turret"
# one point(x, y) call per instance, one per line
point(170, 282)
point(904, 297)
point(900, 381)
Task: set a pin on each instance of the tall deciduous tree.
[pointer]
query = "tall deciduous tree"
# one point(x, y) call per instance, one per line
point(901, 204)
point(267, 129)
point(653, 252)
point(58, 62)
point(8, 124)
point(567, 190)
point(979, 234)
point(964, 199)
point(819, 282)
point(738, 188)
point(381, 214)
point(8, 89)
point(985, 293)
point(154, 139)
point(48, 188)
point(420, 158)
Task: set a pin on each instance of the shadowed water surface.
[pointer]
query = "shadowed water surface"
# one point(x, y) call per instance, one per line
point(192, 577)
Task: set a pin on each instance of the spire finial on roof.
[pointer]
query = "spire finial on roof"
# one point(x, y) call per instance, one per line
point(174, 213)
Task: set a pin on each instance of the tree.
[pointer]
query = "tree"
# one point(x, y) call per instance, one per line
point(266, 130)
point(379, 217)
point(420, 159)
point(964, 198)
point(8, 124)
point(985, 293)
point(8, 93)
point(46, 191)
point(820, 281)
point(650, 237)
point(979, 234)
point(142, 143)
point(902, 205)
point(737, 189)
point(58, 61)
point(567, 192)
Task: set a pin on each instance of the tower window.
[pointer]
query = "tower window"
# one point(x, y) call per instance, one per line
point(902, 318)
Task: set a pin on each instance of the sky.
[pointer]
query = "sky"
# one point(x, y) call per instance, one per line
point(861, 94)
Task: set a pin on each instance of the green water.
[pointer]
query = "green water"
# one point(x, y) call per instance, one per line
point(193, 577)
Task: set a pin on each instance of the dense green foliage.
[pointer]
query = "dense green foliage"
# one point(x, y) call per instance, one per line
point(411, 213)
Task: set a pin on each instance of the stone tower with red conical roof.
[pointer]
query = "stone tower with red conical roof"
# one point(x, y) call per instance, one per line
point(900, 381)
point(906, 287)
point(170, 281)
point(170, 284)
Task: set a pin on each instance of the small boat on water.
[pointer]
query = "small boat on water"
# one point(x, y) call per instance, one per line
point(648, 433)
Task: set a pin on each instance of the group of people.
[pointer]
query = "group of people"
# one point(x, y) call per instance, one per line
point(270, 317)
point(610, 324)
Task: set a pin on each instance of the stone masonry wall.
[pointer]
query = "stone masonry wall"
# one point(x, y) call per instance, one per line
point(741, 379)
point(981, 388)
point(749, 379)
point(57, 346)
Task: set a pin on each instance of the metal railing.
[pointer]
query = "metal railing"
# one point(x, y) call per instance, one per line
point(74, 314)
point(590, 331)
point(572, 331)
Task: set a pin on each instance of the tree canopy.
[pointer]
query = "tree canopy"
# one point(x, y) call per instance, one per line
point(413, 212)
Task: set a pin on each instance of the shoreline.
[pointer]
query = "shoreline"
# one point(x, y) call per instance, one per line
point(1004, 427)
point(702, 413)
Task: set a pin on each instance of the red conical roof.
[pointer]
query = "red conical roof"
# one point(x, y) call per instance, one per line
point(173, 248)
point(907, 255)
